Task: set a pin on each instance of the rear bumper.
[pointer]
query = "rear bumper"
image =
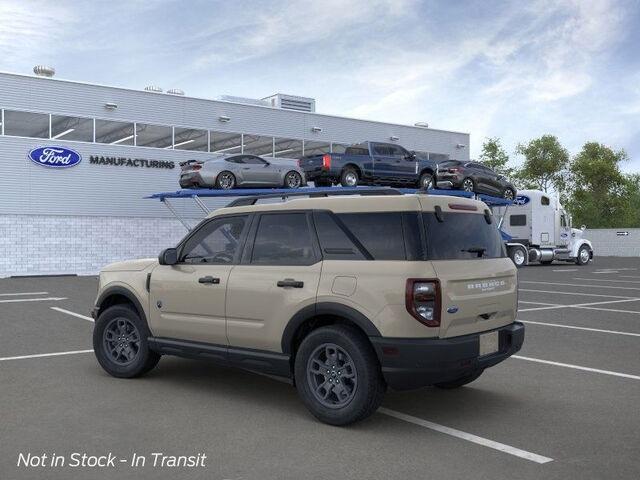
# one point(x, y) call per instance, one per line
point(409, 363)
point(190, 180)
point(318, 173)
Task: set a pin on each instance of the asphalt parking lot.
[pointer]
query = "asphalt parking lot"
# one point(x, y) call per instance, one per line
point(566, 407)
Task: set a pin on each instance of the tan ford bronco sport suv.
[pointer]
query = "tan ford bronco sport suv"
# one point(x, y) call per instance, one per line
point(344, 295)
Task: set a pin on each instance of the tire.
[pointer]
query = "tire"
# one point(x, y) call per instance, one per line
point(518, 256)
point(468, 185)
point(322, 183)
point(134, 360)
point(584, 255)
point(362, 388)
point(426, 181)
point(460, 381)
point(292, 180)
point(508, 194)
point(349, 177)
point(225, 180)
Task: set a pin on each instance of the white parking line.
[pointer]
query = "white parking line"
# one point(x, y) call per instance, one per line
point(577, 294)
point(580, 305)
point(615, 332)
point(73, 314)
point(40, 355)
point(607, 280)
point(584, 286)
point(47, 299)
point(629, 276)
point(634, 312)
point(485, 442)
point(541, 303)
point(23, 293)
point(578, 367)
point(566, 270)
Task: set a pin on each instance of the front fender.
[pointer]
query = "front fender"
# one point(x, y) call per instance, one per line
point(578, 244)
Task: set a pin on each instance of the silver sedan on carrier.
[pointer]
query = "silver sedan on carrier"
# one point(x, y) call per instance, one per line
point(241, 170)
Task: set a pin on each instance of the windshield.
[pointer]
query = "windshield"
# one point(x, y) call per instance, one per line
point(457, 236)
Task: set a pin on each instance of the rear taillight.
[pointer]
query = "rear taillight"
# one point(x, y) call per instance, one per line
point(197, 166)
point(326, 161)
point(454, 170)
point(422, 298)
point(299, 162)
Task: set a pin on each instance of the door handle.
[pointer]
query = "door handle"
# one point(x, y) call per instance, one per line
point(290, 282)
point(209, 279)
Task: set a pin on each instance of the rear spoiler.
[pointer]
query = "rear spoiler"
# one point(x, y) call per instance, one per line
point(190, 162)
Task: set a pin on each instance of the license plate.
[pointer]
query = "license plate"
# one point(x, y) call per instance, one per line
point(488, 343)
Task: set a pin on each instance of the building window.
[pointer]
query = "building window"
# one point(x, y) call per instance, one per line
point(287, 148)
point(190, 139)
point(114, 133)
point(71, 128)
point(226, 142)
point(316, 148)
point(157, 136)
point(26, 124)
point(257, 145)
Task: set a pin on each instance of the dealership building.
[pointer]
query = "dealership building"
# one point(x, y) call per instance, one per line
point(126, 145)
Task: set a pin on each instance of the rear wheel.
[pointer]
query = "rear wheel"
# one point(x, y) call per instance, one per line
point(584, 255)
point(459, 382)
point(426, 181)
point(120, 343)
point(226, 180)
point(349, 177)
point(337, 375)
point(468, 185)
point(508, 194)
point(292, 179)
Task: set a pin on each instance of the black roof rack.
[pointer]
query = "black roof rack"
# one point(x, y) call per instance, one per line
point(329, 192)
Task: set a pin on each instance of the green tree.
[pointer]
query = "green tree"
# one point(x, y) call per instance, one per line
point(495, 157)
point(545, 164)
point(601, 196)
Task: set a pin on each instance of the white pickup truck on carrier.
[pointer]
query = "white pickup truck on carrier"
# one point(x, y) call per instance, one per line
point(540, 231)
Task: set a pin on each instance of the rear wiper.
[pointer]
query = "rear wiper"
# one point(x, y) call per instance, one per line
point(479, 250)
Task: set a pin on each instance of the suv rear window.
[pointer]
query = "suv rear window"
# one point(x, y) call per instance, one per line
point(461, 236)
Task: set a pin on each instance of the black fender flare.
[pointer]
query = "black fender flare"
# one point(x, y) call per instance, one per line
point(125, 292)
point(326, 308)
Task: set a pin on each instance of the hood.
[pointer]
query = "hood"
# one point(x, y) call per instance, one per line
point(577, 232)
point(130, 265)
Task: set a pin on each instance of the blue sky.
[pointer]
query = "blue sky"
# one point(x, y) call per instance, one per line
point(515, 70)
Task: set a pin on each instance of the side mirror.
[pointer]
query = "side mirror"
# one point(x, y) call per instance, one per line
point(411, 155)
point(169, 256)
point(583, 228)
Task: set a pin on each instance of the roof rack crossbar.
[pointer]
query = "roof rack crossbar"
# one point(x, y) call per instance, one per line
point(245, 201)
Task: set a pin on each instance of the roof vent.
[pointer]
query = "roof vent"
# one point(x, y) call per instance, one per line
point(175, 91)
point(153, 88)
point(292, 102)
point(422, 124)
point(44, 71)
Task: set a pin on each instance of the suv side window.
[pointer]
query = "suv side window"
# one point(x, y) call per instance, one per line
point(334, 239)
point(381, 233)
point(283, 239)
point(216, 242)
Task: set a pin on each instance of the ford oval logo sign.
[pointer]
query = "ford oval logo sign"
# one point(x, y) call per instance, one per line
point(521, 200)
point(55, 157)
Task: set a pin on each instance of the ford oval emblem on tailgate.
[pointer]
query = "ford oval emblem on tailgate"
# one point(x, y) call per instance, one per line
point(55, 157)
point(452, 309)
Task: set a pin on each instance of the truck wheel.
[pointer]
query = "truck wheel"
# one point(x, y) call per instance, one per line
point(459, 382)
point(426, 181)
point(120, 343)
point(584, 255)
point(349, 177)
point(508, 194)
point(337, 375)
point(518, 256)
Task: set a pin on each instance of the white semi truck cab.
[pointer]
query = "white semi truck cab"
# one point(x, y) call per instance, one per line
point(540, 231)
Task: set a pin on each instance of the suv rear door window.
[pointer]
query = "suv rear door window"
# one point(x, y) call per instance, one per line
point(379, 233)
point(283, 239)
point(461, 236)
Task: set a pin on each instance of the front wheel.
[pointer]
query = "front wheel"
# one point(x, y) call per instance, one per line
point(120, 343)
point(518, 256)
point(292, 179)
point(337, 375)
point(584, 255)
